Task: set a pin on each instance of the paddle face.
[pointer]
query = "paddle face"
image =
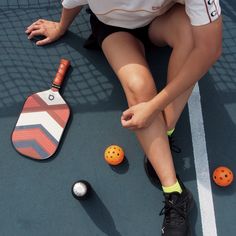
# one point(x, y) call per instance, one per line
point(42, 121)
point(40, 125)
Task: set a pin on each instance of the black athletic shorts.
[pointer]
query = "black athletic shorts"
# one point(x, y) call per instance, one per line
point(100, 30)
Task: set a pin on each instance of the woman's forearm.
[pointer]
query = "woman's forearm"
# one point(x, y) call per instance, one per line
point(207, 49)
point(67, 17)
point(197, 64)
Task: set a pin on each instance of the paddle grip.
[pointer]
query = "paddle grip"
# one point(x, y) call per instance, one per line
point(63, 67)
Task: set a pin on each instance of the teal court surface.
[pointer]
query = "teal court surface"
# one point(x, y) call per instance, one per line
point(35, 197)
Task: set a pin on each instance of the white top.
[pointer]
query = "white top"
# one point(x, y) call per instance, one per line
point(138, 13)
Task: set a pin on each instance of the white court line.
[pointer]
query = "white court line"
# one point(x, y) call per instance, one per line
point(201, 164)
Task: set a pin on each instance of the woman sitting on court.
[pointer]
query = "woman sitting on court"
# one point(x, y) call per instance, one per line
point(193, 29)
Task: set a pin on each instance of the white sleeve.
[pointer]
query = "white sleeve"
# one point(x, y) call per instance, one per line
point(202, 12)
point(73, 3)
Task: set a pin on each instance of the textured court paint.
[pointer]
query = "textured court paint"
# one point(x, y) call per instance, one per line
point(201, 164)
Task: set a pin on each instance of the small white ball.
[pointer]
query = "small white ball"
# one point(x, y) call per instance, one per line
point(80, 189)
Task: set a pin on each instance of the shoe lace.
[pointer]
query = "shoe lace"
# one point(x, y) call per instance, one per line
point(173, 147)
point(174, 212)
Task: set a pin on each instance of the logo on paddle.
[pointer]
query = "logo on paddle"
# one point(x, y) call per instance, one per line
point(51, 97)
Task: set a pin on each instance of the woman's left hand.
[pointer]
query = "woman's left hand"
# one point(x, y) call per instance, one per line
point(138, 116)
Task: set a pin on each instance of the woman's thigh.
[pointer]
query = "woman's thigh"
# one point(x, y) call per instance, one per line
point(125, 54)
point(171, 28)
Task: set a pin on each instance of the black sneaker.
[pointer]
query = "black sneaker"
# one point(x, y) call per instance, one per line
point(151, 173)
point(176, 213)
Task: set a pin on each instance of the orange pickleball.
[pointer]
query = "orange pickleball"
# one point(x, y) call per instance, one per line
point(114, 155)
point(223, 176)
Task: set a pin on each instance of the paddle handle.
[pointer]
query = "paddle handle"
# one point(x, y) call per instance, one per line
point(60, 75)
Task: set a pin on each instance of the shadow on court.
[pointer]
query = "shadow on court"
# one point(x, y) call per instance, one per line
point(100, 214)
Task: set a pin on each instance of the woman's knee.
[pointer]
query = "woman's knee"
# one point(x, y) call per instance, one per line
point(139, 89)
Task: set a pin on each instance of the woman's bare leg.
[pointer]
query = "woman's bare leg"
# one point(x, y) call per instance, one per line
point(126, 56)
point(174, 29)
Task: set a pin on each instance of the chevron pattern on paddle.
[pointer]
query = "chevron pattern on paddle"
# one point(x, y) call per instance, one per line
point(40, 125)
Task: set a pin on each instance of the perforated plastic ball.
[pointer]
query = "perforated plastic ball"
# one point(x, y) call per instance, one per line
point(114, 155)
point(223, 176)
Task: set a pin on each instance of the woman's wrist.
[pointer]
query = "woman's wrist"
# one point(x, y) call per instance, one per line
point(62, 28)
point(154, 105)
point(67, 18)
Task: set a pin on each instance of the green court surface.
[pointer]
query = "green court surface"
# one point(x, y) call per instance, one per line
point(35, 197)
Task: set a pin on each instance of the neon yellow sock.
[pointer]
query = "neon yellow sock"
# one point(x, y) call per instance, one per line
point(170, 132)
point(174, 188)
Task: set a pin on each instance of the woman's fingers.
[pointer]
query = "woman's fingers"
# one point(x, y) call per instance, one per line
point(39, 21)
point(34, 26)
point(40, 42)
point(127, 114)
point(128, 122)
point(49, 29)
point(43, 42)
point(35, 33)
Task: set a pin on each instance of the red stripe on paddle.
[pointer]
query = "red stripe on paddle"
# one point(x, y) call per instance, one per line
point(37, 135)
point(31, 103)
point(60, 113)
point(29, 152)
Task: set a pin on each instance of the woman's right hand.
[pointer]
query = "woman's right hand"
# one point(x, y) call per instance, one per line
point(50, 29)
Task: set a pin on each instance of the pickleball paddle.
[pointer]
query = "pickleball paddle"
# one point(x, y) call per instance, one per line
point(42, 120)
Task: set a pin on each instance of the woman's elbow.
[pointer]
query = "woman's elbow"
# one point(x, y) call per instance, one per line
point(214, 53)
